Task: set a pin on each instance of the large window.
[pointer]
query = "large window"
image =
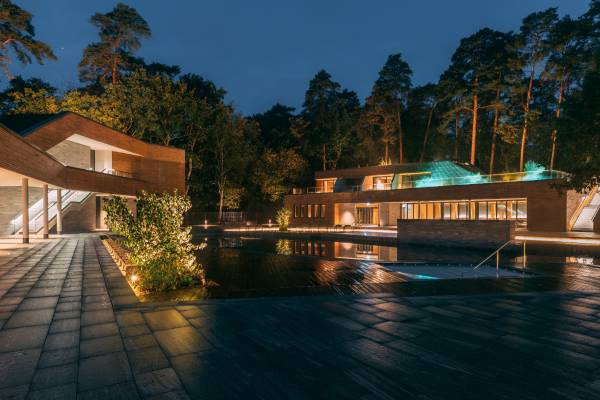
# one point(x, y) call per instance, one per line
point(365, 215)
point(466, 210)
point(383, 182)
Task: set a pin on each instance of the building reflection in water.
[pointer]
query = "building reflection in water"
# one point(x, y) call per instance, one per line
point(329, 249)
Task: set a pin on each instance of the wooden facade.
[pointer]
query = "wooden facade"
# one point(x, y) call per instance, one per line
point(153, 168)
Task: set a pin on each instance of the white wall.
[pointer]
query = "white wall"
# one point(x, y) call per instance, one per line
point(103, 160)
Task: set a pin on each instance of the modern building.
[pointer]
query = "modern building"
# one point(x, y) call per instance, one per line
point(381, 196)
point(56, 170)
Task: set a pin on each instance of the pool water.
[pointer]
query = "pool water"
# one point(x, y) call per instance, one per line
point(240, 266)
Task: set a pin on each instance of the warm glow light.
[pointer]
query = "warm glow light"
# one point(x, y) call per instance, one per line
point(133, 278)
point(549, 239)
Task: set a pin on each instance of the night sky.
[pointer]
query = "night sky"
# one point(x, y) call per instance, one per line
point(266, 51)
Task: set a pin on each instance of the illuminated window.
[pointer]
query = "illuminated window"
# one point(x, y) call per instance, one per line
point(437, 211)
point(322, 210)
point(482, 207)
point(501, 210)
point(453, 210)
point(491, 210)
point(447, 213)
point(303, 210)
point(310, 211)
point(422, 211)
point(316, 208)
point(296, 211)
point(522, 209)
point(463, 210)
point(511, 209)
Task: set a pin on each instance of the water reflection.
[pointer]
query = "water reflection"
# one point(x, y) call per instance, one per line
point(249, 266)
point(338, 250)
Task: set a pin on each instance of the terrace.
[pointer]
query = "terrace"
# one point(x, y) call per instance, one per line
point(428, 179)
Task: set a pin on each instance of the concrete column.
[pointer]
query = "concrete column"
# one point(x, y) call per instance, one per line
point(45, 212)
point(25, 209)
point(58, 211)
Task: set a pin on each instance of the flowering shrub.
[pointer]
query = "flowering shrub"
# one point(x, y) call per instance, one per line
point(283, 218)
point(159, 246)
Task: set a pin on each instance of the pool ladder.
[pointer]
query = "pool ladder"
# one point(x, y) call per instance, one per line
point(497, 254)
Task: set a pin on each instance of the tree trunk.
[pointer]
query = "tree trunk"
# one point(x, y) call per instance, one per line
point(400, 134)
point(494, 131)
point(555, 131)
point(426, 138)
point(526, 119)
point(221, 199)
point(386, 159)
point(474, 125)
point(456, 133)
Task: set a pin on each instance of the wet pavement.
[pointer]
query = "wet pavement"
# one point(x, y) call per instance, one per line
point(70, 327)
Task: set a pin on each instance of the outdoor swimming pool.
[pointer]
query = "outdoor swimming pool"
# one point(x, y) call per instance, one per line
point(245, 266)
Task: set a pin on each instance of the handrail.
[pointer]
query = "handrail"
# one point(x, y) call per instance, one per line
point(495, 253)
point(583, 204)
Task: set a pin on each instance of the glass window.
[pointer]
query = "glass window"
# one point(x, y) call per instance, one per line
point(303, 211)
point(322, 210)
point(310, 211)
point(316, 209)
point(437, 210)
point(472, 211)
point(522, 209)
point(453, 210)
point(422, 211)
point(501, 210)
point(491, 210)
point(482, 206)
point(296, 211)
point(511, 209)
point(403, 212)
point(446, 211)
point(429, 210)
point(463, 212)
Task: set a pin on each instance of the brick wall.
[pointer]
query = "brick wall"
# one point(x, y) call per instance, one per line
point(71, 153)
point(10, 205)
point(480, 234)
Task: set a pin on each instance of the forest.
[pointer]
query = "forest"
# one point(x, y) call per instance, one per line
point(505, 99)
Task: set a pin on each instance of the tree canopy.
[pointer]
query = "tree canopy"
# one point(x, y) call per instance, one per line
point(17, 38)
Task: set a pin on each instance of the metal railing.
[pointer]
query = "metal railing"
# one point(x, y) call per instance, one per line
point(36, 211)
point(497, 254)
point(116, 172)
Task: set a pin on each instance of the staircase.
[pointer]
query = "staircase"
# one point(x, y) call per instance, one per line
point(585, 220)
point(36, 211)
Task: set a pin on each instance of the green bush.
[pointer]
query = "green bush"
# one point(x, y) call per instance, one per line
point(159, 246)
point(118, 218)
point(283, 218)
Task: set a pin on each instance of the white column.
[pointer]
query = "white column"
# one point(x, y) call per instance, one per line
point(58, 211)
point(45, 211)
point(25, 209)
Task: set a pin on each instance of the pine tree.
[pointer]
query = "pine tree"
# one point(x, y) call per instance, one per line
point(17, 36)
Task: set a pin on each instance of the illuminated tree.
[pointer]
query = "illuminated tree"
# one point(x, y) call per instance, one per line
point(533, 46)
point(389, 95)
point(326, 126)
point(475, 64)
point(17, 37)
point(566, 64)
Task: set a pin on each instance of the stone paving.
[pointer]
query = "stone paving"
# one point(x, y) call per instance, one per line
point(71, 328)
